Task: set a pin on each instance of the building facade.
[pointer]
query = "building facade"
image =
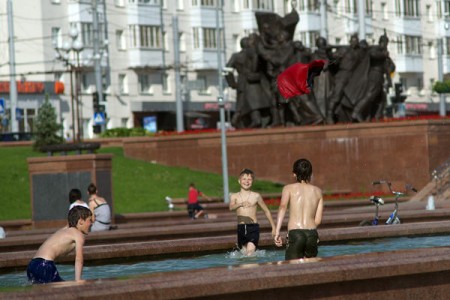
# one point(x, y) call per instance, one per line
point(154, 54)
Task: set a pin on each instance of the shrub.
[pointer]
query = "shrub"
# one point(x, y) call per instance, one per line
point(47, 127)
point(442, 87)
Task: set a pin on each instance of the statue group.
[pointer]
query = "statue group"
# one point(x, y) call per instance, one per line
point(351, 88)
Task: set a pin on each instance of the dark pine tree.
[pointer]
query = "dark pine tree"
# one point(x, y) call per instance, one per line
point(47, 127)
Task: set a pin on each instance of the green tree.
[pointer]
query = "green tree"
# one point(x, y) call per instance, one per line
point(442, 87)
point(47, 127)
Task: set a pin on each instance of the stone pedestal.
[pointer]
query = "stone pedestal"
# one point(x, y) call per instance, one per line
point(52, 178)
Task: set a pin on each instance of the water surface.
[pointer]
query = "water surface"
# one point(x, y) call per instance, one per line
point(231, 258)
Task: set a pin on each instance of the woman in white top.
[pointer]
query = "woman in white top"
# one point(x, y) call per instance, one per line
point(75, 199)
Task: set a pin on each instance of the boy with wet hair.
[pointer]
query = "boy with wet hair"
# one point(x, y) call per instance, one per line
point(41, 268)
point(305, 213)
point(246, 202)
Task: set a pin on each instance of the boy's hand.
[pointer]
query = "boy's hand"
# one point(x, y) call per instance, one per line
point(278, 241)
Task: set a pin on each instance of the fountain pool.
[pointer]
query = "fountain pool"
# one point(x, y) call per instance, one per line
point(19, 279)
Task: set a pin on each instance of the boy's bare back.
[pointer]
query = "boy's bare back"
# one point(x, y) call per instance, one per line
point(305, 205)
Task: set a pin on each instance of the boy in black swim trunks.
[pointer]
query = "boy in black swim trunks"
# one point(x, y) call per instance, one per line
point(305, 213)
point(246, 202)
point(41, 268)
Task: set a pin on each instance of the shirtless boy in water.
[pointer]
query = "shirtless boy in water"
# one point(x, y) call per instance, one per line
point(246, 202)
point(41, 268)
point(305, 213)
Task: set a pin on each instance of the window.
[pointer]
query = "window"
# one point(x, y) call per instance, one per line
point(145, 36)
point(206, 3)
point(120, 3)
point(309, 5)
point(350, 7)
point(410, 45)
point(58, 76)
point(447, 46)
point(429, 13)
point(384, 10)
point(308, 38)
point(123, 84)
point(85, 83)
point(369, 8)
point(202, 80)
point(182, 41)
point(144, 83)
point(180, 4)
point(257, 4)
point(412, 8)
point(87, 34)
point(398, 10)
point(56, 1)
point(413, 44)
point(56, 37)
point(443, 9)
point(165, 81)
point(196, 37)
point(209, 38)
point(120, 40)
point(262, 4)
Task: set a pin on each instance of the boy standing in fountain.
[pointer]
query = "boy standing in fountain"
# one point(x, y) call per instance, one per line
point(41, 268)
point(305, 213)
point(246, 202)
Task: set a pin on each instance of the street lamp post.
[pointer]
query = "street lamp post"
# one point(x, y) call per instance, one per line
point(73, 45)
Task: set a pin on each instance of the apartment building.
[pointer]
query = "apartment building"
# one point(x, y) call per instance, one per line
point(153, 54)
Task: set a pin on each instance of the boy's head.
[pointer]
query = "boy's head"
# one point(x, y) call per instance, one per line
point(74, 195)
point(247, 172)
point(80, 218)
point(246, 178)
point(92, 189)
point(303, 170)
point(192, 185)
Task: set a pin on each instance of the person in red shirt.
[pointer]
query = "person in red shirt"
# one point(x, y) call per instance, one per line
point(195, 210)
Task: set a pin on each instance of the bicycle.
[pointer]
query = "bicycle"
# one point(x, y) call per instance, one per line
point(377, 201)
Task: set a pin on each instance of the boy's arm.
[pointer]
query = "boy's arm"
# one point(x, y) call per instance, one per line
point(79, 243)
point(233, 202)
point(319, 211)
point(266, 210)
point(281, 212)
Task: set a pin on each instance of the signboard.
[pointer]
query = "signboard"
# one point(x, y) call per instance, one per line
point(150, 124)
point(99, 118)
point(2, 106)
point(19, 114)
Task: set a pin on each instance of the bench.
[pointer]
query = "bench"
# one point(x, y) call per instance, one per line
point(65, 148)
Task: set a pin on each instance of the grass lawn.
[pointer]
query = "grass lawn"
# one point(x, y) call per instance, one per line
point(138, 186)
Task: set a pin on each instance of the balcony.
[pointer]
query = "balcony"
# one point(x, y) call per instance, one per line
point(407, 26)
point(204, 17)
point(145, 58)
point(309, 21)
point(408, 63)
point(144, 13)
point(205, 59)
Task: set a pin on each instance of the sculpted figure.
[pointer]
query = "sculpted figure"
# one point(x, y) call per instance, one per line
point(380, 65)
point(252, 88)
point(347, 59)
